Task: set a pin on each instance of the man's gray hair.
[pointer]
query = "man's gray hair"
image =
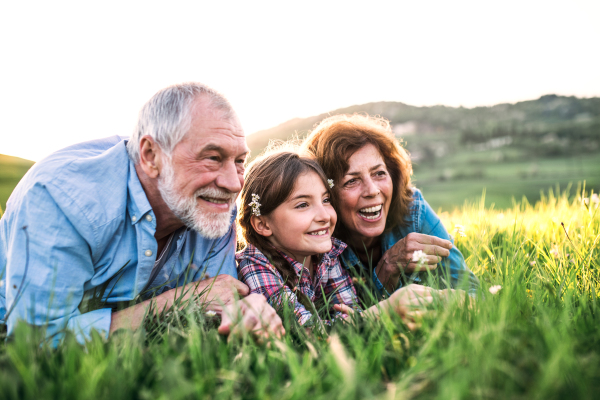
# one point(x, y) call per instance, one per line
point(167, 116)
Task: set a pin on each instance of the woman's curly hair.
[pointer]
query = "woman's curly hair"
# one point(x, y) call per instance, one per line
point(335, 139)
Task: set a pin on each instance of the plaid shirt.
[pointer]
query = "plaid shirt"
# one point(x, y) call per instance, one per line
point(330, 279)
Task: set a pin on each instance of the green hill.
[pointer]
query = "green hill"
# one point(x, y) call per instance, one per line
point(11, 171)
point(511, 150)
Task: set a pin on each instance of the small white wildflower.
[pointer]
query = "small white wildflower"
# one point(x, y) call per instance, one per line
point(211, 313)
point(586, 200)
point(330, 182)
point(255, 205)
point(495, 289)
point(554, 251)
point(459, 230)
point(532, 263)
point(419, 257)
point(595, 199)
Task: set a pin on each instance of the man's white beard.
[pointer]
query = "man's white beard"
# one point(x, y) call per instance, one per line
point(209, 225)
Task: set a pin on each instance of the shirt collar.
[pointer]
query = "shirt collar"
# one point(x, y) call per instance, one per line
point(137, 202)
point(351, 260)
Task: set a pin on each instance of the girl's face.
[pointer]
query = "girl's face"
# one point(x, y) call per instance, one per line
point(302, 225)
point(365, 195)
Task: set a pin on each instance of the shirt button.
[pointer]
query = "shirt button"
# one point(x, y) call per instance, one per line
point(148, 253)
point(149, 218)
point(134, 218)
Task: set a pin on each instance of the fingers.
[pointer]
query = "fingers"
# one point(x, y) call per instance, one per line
point(428, 239)
point(435, 250)
point(227, 280)
point(343, 308)
point(257, 317)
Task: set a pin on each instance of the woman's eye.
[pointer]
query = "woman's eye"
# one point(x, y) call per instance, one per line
point(350, 182)
point(381, 173)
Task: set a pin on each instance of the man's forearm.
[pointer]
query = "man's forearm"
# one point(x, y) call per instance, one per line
point(132, 317)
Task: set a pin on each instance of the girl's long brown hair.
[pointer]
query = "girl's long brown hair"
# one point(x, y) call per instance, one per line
point(272, 177)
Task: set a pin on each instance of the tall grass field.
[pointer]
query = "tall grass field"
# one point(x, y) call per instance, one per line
point(537, 336)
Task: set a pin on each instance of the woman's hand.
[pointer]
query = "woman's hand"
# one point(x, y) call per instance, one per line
point(400, 257)
point(408, 302)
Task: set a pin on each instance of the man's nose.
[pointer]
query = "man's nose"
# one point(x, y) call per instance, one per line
point(229, 179)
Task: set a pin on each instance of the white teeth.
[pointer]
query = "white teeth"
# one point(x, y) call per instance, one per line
point(371, 209)
point(377, 214)
point(216, 201)
point(319, 233)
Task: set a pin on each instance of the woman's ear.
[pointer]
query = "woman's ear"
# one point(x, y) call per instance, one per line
point(261, 225)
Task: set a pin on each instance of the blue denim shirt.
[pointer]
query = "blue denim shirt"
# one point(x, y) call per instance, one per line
point(89, 224)
point(422, 219)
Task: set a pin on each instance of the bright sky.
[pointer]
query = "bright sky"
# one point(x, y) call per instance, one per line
point(74, 71)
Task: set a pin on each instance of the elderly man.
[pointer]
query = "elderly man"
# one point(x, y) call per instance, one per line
point(113, 220)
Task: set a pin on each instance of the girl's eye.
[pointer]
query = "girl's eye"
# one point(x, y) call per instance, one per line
point(327, 200)
point(302, 205)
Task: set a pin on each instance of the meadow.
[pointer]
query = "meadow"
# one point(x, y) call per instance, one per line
point(535, 337)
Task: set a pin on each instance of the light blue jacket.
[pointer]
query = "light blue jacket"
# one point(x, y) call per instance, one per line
point(452, 270)
point(90, 224)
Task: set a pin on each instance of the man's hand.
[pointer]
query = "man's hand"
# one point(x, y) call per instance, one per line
point(251, 314)
point(217, 292)
point(400, 256)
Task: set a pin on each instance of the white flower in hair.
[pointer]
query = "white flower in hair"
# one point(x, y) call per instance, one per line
point(330, 182)
point(255, 205)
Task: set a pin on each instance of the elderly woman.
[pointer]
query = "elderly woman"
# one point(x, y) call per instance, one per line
point(382, 218)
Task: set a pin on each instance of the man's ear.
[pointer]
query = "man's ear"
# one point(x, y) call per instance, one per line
point(150, 156)
point(261, 225)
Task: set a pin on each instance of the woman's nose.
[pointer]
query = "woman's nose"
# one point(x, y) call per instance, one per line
point(370, 189)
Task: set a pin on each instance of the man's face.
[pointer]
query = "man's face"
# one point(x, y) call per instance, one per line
point(206, 172)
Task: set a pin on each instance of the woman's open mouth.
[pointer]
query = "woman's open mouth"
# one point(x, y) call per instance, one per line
point(370, 213)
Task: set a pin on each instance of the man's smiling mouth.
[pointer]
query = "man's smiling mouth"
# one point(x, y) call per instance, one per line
point(370, 212)
point(214, 200)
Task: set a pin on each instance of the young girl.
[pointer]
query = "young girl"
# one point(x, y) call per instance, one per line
point(287, 219)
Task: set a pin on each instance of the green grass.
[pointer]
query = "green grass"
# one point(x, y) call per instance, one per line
point(537, 338)
point(12, 170)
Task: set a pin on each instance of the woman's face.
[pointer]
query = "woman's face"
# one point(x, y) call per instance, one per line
point(365, 194)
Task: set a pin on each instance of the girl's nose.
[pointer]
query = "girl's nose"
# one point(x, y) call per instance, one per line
point(322, 215)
